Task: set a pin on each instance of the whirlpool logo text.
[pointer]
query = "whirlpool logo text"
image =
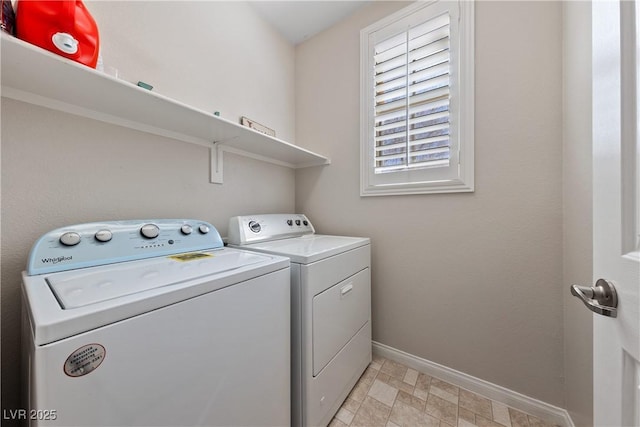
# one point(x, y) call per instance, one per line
point(56, 260)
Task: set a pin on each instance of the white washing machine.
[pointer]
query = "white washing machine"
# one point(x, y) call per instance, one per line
point(330, 308)
point(154, 323)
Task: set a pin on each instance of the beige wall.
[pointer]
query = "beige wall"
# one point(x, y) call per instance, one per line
point(59, 169)
point(577, 207)
point(470, 281)
point(217, 56)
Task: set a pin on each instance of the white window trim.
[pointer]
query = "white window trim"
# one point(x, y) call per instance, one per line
point(464, 181)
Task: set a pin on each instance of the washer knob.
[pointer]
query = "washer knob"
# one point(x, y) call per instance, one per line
point(70, 238)
point(289, 222)
point(150, 231)
point(254, 226)
point(297, 222)
point(204, 229)
point(103, 235)
point(305, 222)
point(186, 229)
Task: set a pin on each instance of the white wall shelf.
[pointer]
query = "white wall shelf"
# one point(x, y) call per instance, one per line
point(33, 75)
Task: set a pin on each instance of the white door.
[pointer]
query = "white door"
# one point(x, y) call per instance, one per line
point(616, 211)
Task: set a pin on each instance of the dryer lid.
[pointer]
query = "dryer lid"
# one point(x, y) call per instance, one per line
point(309, 248)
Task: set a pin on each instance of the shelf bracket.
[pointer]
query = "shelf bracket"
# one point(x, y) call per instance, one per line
point(216, 158)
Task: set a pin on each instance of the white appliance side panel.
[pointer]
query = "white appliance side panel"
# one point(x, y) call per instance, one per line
point(323, 274)
point(338, 314)
point(28, 350)
point(325, 393)
point(296, 346)
point(196, 363)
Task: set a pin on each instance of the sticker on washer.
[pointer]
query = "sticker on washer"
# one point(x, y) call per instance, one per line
point(84, 360)
point(193, 256)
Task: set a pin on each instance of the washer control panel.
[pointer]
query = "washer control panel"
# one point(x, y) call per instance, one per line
point(260, 228)
point(100, 243)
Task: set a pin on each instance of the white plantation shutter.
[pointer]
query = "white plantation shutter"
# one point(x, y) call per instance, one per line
point(412, 98)
point(417, 100)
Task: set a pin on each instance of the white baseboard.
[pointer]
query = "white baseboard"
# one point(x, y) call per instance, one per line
point(495, 392)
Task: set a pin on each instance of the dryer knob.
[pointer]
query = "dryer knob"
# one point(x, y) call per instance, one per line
point(186, 229)
point(305, 222)
point(150, 231)
point(254, 226)
point(297, 222)
point(70, 238)
point(204, 229)
point(289, 222)
point(103, 235)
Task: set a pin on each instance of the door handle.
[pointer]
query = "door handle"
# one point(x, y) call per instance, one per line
point(601, 298)
point(346, 289)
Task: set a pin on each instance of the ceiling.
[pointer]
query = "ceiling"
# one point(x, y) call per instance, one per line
point(300, 20)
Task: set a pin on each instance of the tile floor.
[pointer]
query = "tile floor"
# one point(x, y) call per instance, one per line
point(390, 394)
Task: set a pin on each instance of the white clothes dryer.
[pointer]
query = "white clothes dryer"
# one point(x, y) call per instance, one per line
point(140, 323)
point(330, 308)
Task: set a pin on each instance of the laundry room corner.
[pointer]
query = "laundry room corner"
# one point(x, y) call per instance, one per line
point(472, 281)
point(430, 267)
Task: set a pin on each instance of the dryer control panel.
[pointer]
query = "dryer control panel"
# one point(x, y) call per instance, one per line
point(100, 243)
point(261, 228)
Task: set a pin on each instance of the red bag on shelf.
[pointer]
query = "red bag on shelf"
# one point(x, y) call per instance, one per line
point(64, 27)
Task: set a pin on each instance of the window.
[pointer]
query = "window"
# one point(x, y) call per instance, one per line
point(417, 100)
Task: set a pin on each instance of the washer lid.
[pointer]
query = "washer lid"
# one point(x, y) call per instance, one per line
point(68, 303)
point(309, 248)
point(93, 285)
